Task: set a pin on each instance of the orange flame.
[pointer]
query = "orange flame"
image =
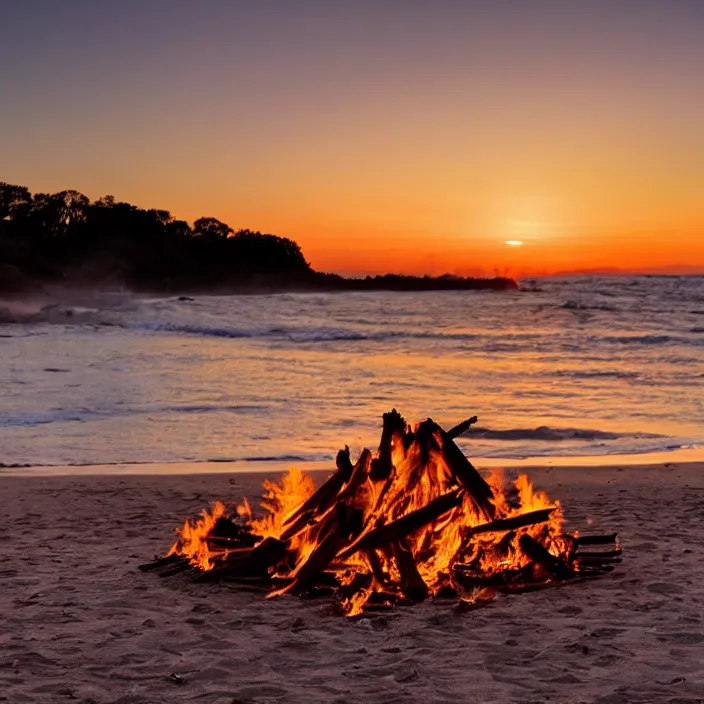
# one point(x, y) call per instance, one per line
point(192, 542)
point(413, 474)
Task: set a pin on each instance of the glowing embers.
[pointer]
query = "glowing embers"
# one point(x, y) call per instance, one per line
point(411, 521)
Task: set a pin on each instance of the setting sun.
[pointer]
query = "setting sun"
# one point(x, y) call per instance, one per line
point(514, 243)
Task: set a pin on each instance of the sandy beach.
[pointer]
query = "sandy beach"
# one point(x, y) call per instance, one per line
point(80, 622)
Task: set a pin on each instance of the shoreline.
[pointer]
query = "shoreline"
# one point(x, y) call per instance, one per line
point(680, 457)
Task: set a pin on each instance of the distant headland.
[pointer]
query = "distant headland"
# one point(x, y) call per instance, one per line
point(64, 238)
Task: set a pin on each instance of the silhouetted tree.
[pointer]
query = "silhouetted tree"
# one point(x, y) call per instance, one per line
point(163, 217)
point(59, 213)
point(11, 197)
point(178, 229)
point(105, 202)
point(211, 228)
point(273, 254)
point(51, 234)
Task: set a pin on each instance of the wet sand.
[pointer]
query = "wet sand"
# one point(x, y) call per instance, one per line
point(80, 623)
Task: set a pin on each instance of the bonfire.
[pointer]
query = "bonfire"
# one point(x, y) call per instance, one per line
point(412, 521)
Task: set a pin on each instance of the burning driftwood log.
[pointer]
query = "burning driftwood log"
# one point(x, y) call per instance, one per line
point(413, 520)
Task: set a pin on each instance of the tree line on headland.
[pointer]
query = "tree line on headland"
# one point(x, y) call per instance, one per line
point(65, 238)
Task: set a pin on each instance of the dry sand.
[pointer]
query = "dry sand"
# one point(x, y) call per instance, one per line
point(80, 623)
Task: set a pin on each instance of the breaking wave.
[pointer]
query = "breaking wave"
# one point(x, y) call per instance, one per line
point(544, 432)
point(186, 329)
point(641, 339)
point(595, 374)
point(298, 334)
point(314, 335)
point(575, 305)
point(81, 415)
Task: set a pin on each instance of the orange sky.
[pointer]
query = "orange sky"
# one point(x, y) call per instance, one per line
point(407, 137)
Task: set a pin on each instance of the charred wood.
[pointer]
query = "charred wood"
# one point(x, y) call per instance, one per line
point(233, 545)
point(382, 465)
point(541, 556)
point(177, 568)
point(461, 428)
point(229, 529)
point(411, 522)
point(360, 473)
point(322, 499)
point(412, 584)
point(346, 525)
point(161, 562)
point(466, 474)
point(381, 576)
point(473, 580)
point(255, 562)
point(520, 521)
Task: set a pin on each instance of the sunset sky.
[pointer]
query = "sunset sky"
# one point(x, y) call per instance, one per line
point(381, 136)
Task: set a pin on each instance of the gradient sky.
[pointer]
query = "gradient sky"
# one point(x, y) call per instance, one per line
point(381, 136)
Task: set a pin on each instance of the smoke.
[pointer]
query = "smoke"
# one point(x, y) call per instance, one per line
point(19, 311)
point(61, 306)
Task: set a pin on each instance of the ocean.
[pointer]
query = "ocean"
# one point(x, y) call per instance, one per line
point(577, 367)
